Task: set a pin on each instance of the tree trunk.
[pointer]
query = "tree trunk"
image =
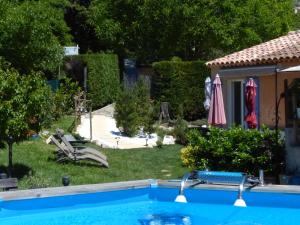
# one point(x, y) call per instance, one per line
point(10, 165)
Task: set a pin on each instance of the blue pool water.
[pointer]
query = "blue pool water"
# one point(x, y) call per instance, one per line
point(154, 206)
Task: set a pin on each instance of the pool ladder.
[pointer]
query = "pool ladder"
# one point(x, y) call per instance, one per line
point(220, 177)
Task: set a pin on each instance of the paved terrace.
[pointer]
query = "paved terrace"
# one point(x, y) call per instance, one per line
point(106, 134)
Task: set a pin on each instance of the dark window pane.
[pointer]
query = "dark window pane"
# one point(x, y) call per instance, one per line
point(237, 102)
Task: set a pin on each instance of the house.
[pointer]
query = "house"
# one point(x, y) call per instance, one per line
point(264, 63)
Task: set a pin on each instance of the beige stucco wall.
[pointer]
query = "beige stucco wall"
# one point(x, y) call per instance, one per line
point(267, 101)
point(267, 97)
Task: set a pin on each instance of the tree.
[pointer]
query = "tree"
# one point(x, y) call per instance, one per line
point(146, 29)
point(133, 109)
point(24, 105)
point(231, 25)
point(144, 107)
point(76, 16)
point(32, 34)
point(125, 112)
point(112, 22)
point(156, 30)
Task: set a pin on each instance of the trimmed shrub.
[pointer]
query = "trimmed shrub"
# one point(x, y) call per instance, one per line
point(182, 85)
point(234, 149)
point(103, 78)
point(180, 130)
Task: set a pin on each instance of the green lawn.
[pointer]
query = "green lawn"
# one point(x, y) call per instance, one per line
point(35, 165)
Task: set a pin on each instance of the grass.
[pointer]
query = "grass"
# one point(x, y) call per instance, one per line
point(66, 123)
point(35, 164)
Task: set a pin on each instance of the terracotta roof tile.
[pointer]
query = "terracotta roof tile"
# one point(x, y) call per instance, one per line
point(281, 49)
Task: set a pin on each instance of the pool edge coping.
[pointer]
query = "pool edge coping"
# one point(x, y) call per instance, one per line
point(71, 190)
point(123, 185)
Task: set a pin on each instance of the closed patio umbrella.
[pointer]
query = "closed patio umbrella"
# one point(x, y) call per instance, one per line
point(207, 92)
point(250, 95)
point(216, 115)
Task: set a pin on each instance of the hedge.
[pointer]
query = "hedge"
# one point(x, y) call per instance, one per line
point(181, 83)
point(103, 78)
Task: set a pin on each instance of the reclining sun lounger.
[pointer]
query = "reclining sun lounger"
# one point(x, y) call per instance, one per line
point(79, 149)
point(67, 151)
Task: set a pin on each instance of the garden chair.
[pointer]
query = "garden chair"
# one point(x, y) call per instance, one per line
point(68, 152)
point(78, 149)
point(8, 183)
point(74, 141)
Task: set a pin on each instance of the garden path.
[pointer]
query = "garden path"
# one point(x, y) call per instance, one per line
point(106, 134)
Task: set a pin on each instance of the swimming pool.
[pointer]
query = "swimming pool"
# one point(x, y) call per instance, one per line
point(154, 206)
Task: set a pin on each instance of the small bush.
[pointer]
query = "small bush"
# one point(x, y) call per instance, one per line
point(180, 130)
point(160, 133)
point(190, 159)
point(64, 98)
point(144, 108)
point(125, 113)
point(159, 143)
point(34, 182)
point(133, 110)
point(160, 136)
point(234, 149)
